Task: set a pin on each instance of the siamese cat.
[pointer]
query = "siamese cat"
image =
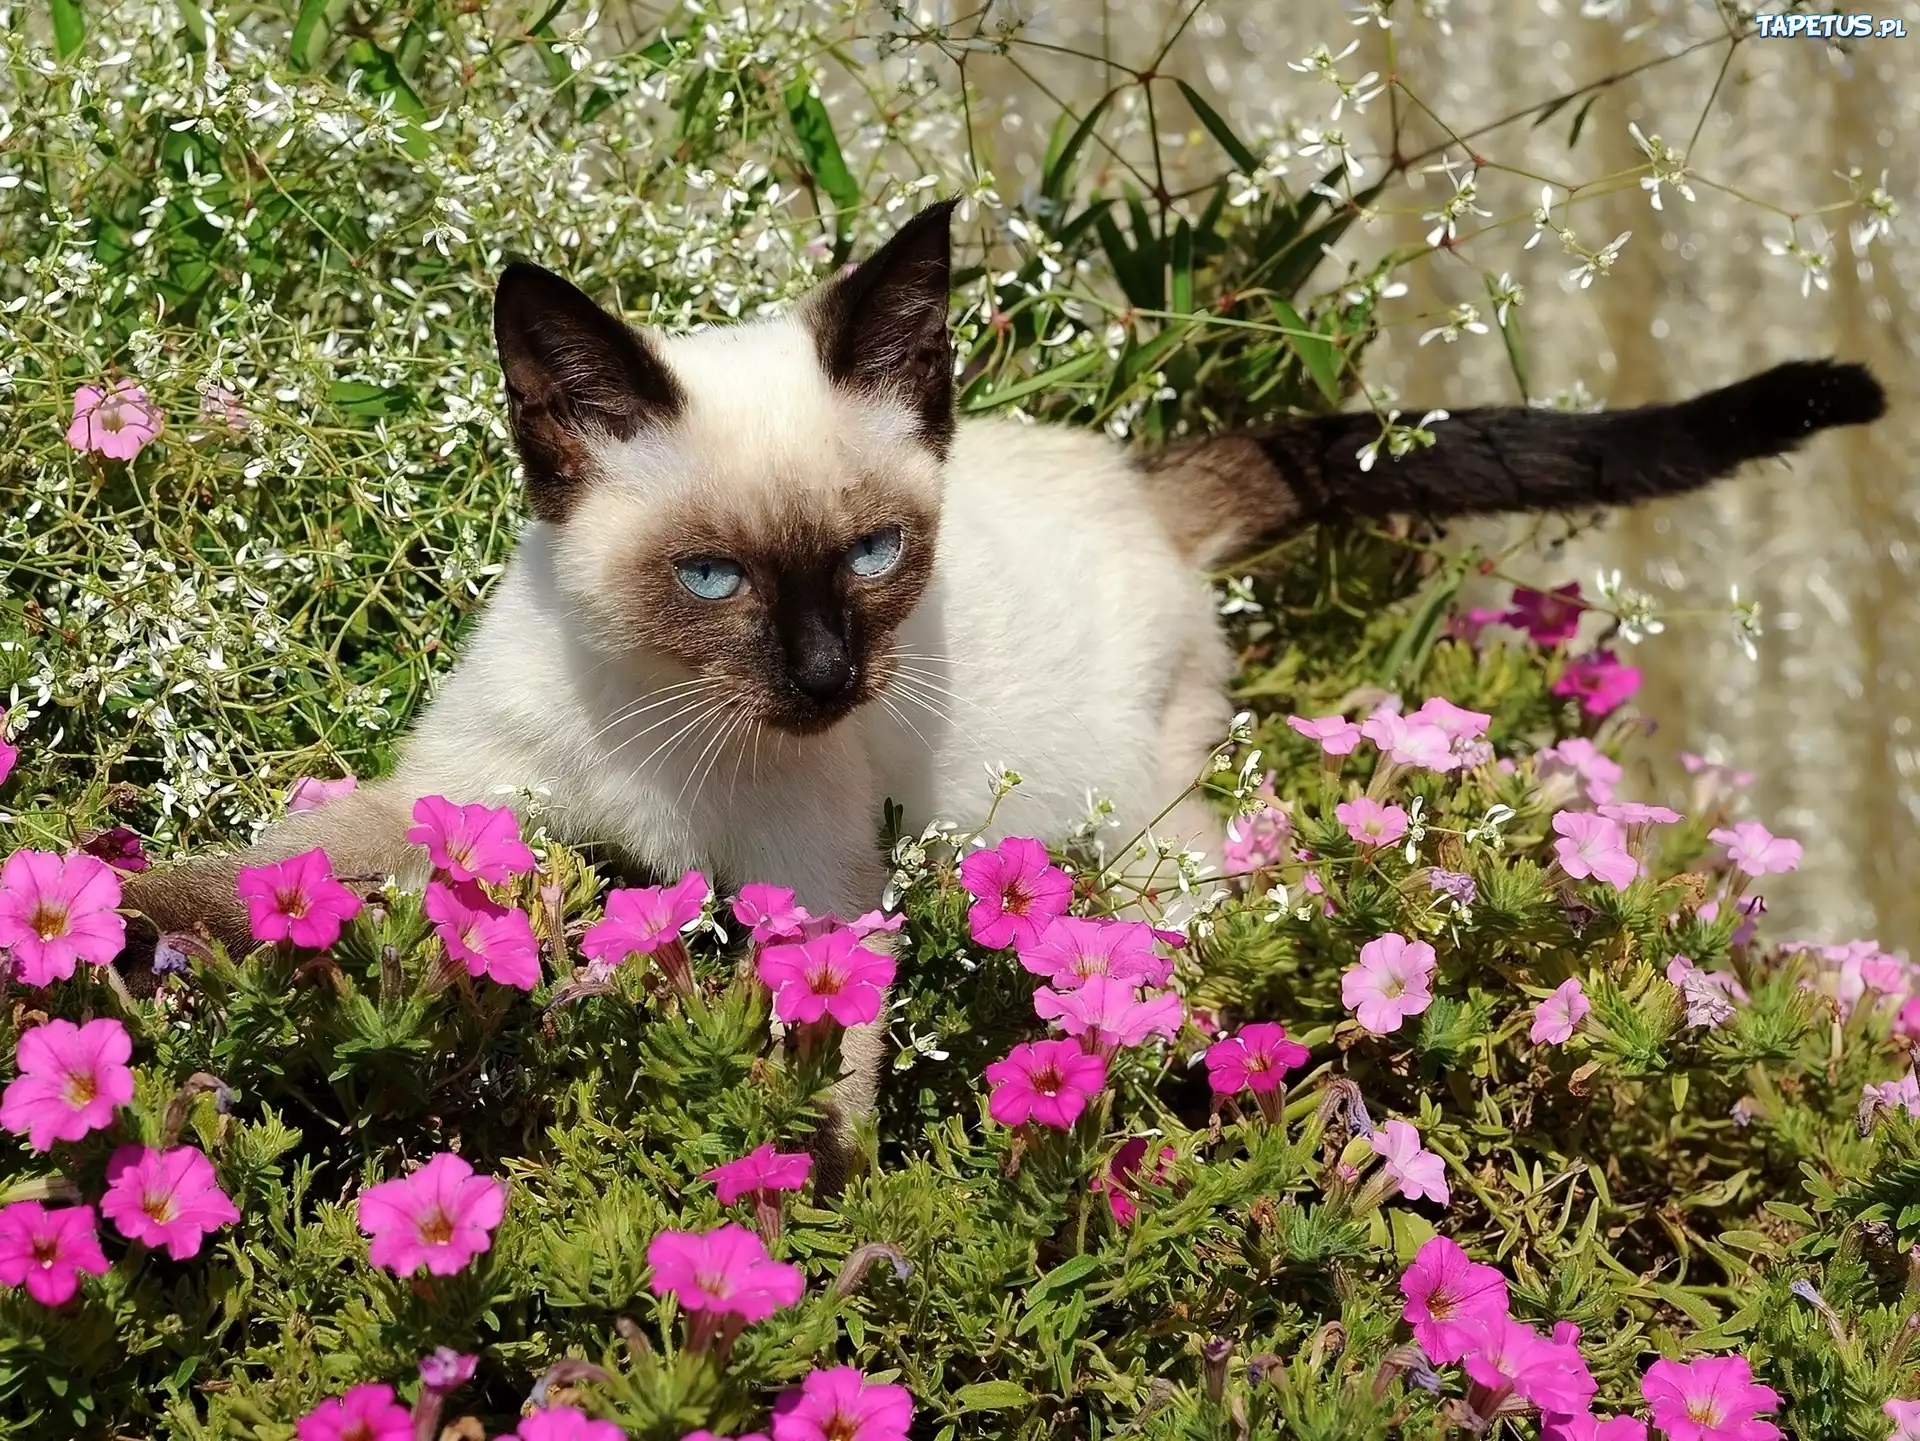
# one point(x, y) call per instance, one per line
point(770, 582)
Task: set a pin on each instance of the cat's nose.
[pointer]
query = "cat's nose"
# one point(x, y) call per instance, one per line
point(818, 660)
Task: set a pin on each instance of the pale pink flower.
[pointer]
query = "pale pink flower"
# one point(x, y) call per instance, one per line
point(223, 405)
point(1905, 1416)
point(1592, 845)
point(1418, 1171)
point(8, 753)
point(56, 910)
point(46, 1250)
point(1445, 1291)
point(761, 1169)
point(1457, 722)
point(1710, 1398)
point(1045, 1081)
point(1756, 850)
point(1503, 1352)
point(309, 793)
point(1633, 813)
point(1256, 1058)
point(1410, 741)
point(1549, 617)
point(445, 1369)
point(1016, 891)
point(116, 422)
point(72, 1079)
point(166, 1198)
point(876, 923)
point(1391, 982)
point(725, 1271)
point(1556, 1018)
point(1122, 1178)
point(1370, 823)
point(1108, 1014)
point(489, 939)
point(842, 1405)
point(1336, 734)
point(368, 1412)
point(1596, 771)
point(1257, 841)
point(1073, 949)
point(830, 975)
point(1903, 1094)
point(1707, 997)
point(296, 900)
point(472, 842)
point(440, 1216)
point(769, 912)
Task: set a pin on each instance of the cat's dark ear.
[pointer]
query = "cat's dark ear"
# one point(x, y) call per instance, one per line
point(882, 327)
point(576, 376)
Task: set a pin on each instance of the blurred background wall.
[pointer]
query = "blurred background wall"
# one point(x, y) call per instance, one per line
point(1829, 544)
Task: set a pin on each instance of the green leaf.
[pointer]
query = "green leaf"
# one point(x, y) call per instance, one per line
point(1181, 298)
point(353, 397)
point(1058, 375)
point(69, 28)
point(1410, 648)
point(194, 21)
point(813, 128)
point(1510, 334)
point(313, 31)
point(1066, 1273)
point(1579, 121)
point(1318, 356)
point(993, 1395)
point(1220, 130)
point(1058, 174)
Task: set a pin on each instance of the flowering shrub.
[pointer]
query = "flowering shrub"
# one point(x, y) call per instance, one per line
point(1473, 1095)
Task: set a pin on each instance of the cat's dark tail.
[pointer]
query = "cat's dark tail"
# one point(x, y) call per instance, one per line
point(1226, 496)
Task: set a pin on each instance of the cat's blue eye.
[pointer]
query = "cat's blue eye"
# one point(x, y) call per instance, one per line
point(876, 553)
point(710, 577)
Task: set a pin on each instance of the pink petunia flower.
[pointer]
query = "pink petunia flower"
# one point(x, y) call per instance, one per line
point(1505, 1353)
point(1555, 1018)
point(489, 939)
point(1589, 1427)
point(769, 912)
point(72, 1079)
point(1121, 1179)
point(566, 1423)
point(166, 1198)
point(1391, 982)
point(116, 422)
point(1445, 1290)
point(1370, 823)
point(1756, 850)
point(1633, 813)
point(1336, 734)
point(1593, 769)
point(119, 848)
point(472, 842)
point(1711, 1398)
point(725, 1273)
point(705, 1435)
point(296, 900)
point(1549, 617)
point(440, 1216)
point(1905, 1416)
point(1707, 997)
point(1468, 625)
point(831, 975)
point(366, 1413)
point(1417, 1171)
point(1073, 949)
point(46, 1250)
point(1256, 1058)
point(445, 1369)
point(1016, 891)
point(1109, 1014)
point(310, 793)
point(8, 753)
point(1457, 722)
point(1258, 840)
point(648, 921)
point(1045, 1081)
point(1602, 684)
point(223, 405)
point(56, 910)
point(842, 1405)
point(1593, 846)
point(1410, 741)
point(761, 1169)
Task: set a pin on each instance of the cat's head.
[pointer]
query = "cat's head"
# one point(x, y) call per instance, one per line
point(754, 505)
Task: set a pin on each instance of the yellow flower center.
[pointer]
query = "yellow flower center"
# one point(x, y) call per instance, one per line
point(49, 919)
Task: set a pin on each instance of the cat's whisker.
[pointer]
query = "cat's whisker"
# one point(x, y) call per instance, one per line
point(647, 702)
point(901, 716)
point(711, 752)
point(701, 699)
point(700, 718)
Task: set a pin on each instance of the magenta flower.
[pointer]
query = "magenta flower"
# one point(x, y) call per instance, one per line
point(769, 912)
point(119, 848)
point(831, 975)
point(1549, 617)
point(843, 1405)
point(1602, 684)
point(296, 900)
point(1593, 846)
point(1445, 1291)
point(1370, 823)
point(1711, 1398)
point(116, 423)
point(761, 1169)
point(56, 910)
point(440, 1216)
point(470, 843)
point(365, 1413)
point(705, 1435)
point(1108, 1014)
point(46, 1250)
point(1391, 982)
point(1905, 1416)
point(1756, 850)
point(1122, 1178)
point(166, 1198)
point(445, 1369)
point(72, 1079)
point(1045, 1081)
point(1505, 1353)
point(647, 921)
point(1555, 1018)
point(725, 1272)
point(1418, 1171)
point(1073, 950)
point(1016, 891)
point(566, 1423)
point(1589, 1427)
point(1409, 741)
point(1337, 735)
point(489, 939)
point(1457, 722)
point(309, 793)
point(1256, 1059)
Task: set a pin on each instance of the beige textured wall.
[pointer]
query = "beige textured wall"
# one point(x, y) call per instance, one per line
point(1830, 545)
